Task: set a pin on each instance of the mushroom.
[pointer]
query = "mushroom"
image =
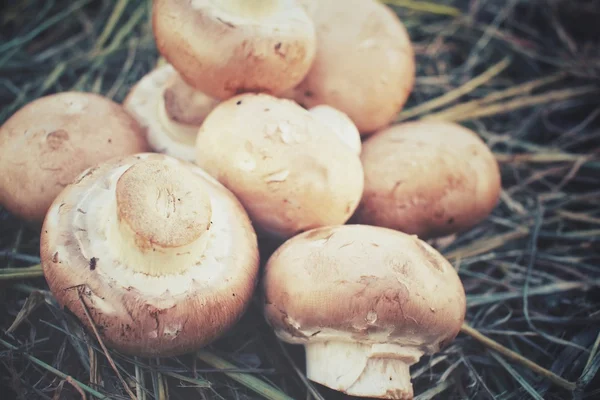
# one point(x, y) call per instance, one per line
point(341, 124)
point(365, 63)
point(228, 47)
point(169, 110)
point(366, 302)
point(290, 170)
point(48, 142)
point(162, 257)
point(428, 178)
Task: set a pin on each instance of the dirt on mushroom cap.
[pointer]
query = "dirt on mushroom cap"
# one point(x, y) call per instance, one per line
point(48, 142)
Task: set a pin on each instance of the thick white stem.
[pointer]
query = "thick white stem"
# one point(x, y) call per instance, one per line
point(160, 219)
point(357, 369)
point(182, 133)
point(341, 124)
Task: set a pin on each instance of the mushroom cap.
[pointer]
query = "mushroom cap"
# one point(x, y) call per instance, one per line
point(341, 124)
point(149, 314)
point(223, 51)
point(365, 63)
point(363, 284)
point(289, 170)
point(169, 110)
point(48, 142)
point(428, 178)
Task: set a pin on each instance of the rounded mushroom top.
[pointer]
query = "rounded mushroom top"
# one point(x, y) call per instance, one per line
point(227, 47)
point(169, 110)
point(428, 178)
point(365, 63)
point(290, 170)
point(163, 256)
point(48, 142)
point(365, 284)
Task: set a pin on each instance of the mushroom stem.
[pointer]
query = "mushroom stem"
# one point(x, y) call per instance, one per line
point(359, 369)
point(248, 8)
point(180, 132)
point(184, 104)
point(182, 109)
point(163, 218)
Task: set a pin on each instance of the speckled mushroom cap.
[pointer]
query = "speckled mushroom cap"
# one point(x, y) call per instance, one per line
point(48, 142)
point(291, 171)
point(164, 257)
point(169, 110)
point(365, 63)
point(355, 295)
point(227, 47)
point(428, 178)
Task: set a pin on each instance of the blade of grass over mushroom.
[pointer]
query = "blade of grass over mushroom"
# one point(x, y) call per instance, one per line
point(104, 349)
point(251, 382)
point(425, 6)
point(456, 93)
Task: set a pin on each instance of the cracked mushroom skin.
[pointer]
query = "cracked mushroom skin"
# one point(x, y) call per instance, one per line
point(428, 178)
point(48, 142)
point(289, 169)
point(365, 62)
point(162, 256)
point(366, 302)
point(170, 111)
point(228, 47)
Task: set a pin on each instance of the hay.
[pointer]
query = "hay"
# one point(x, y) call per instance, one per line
point(523, 74)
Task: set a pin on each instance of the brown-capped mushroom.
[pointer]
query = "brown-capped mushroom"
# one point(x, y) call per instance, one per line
point(170, 111)
point(428, 178)
point(366, 302)
point(162, 256)
point(48, 142)
point(228, 47)
point(290, 170)
point(365, 63)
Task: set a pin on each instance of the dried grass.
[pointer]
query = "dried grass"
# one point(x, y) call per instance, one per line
point(523, 74)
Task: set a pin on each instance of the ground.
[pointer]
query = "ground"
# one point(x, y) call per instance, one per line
point(525, 75)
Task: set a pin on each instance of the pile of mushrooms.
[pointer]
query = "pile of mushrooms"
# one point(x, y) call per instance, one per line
point(268, 118)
